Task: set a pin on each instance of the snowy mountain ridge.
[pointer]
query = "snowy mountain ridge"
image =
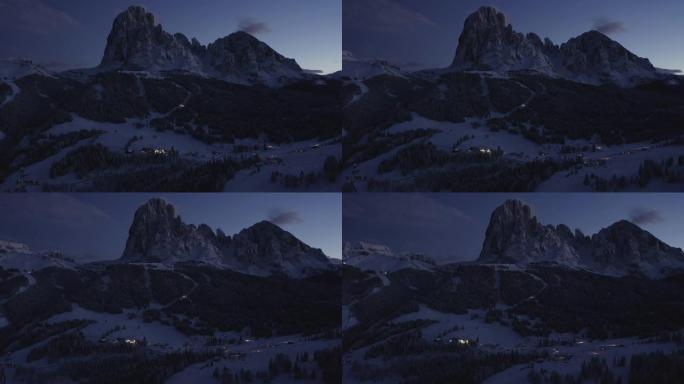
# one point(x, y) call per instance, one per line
point(15, 68)
point(489, 42)
point(137, 43)
point(380, 258)
point(514, 236)
point(21, 257)
point(158, 235)
point(365, 68)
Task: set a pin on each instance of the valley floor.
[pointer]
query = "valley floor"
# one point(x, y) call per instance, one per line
point(474, 136)
point(236, 352)
point(137, 136)
point(565, 355)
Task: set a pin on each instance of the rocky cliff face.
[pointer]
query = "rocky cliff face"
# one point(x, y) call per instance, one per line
point(136, 42)
point(267, 246)
point(624, 243)
point(241, 54)
point(593, 57)
point(514, 236)
point(158, 235)
point(488, 42)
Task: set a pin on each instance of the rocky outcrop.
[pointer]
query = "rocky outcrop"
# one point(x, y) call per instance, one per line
point(158, 235)
point(136, 42)
point(489, 42)
point(514, 236)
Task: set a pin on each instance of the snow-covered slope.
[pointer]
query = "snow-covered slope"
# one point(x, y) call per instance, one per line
point(514, 236)
point(361, 69)
point(13, 69)
point(380, 258)
point(489, 42)
point(137, 43)
point(20, 256)
point(158, 235)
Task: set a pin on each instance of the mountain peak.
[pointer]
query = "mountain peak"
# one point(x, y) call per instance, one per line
point(158, 206)
point(486, 16)
point(266, 227)
point(242, 35)
point(266, 224)
point(514, 210)
point(137, 12)
point(594, 34)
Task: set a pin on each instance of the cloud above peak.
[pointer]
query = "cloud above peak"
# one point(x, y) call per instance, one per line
point(253, 27)
point(608, 27)
point(643, 216)
point(279, 217)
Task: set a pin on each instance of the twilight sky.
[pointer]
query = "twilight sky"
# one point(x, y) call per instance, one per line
point(424, 34)
point(95, 226)
point(452, 226)
point(73, 33)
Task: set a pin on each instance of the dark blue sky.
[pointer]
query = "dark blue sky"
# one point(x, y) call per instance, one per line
point(425, 33)
point(74, 32)
point(96, 225)
point(452, 226)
